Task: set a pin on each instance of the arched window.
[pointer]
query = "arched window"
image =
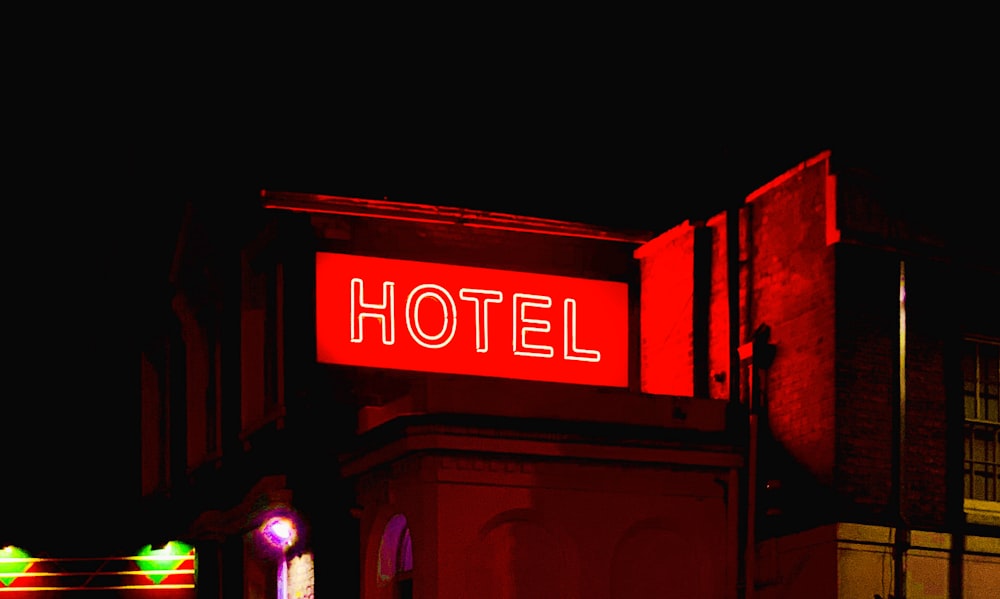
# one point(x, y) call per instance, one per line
point(395, 557)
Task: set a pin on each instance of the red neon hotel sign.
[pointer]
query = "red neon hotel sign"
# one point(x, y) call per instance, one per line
point(463, 320)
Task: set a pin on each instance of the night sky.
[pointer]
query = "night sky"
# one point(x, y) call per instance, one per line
point(595, 136)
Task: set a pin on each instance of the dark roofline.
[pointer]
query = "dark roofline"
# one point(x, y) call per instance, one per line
point(324, 204)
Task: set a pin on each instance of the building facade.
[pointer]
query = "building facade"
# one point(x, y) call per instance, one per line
point(795, 397)
point(446, 402)
point(867, 347)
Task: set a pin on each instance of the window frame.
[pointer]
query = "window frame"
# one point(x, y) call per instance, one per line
point(984, 509)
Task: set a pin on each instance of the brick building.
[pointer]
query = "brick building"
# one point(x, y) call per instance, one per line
point(446, 402)
point(868, 352)
point(786, 399)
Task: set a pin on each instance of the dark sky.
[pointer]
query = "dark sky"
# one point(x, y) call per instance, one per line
point(628, 134)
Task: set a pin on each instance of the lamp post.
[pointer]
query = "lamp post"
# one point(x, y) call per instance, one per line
point(280, 532)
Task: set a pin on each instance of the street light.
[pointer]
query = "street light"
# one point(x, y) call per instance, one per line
point(281, 533)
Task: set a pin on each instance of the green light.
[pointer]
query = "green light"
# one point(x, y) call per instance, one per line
point(168, 557)
point(13, 561)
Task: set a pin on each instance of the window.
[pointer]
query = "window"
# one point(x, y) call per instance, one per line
point(981, 388)
point(395, 565)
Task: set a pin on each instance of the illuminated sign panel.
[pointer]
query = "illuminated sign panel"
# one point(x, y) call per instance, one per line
point(167, 572)
point(463, 320)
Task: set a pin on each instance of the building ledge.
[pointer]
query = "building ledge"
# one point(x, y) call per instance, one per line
point(509, 400)
point(982, 512)
point(434, 440)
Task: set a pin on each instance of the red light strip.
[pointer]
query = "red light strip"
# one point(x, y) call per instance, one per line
point(104, 573)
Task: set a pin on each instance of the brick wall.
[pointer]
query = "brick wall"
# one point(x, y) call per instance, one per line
point(789, 270)
point(867, 350)
point(925, 455)
point(718, 317)
point(667, 292)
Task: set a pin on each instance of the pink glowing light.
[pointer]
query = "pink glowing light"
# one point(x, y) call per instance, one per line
point(279, 532)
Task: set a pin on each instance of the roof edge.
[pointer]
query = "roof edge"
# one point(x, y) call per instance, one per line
point(325, 204)
point(782, 178)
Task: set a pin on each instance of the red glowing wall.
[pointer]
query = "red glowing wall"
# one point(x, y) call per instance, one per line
point(790, 273)
point(667, 267)
point(520, 527)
